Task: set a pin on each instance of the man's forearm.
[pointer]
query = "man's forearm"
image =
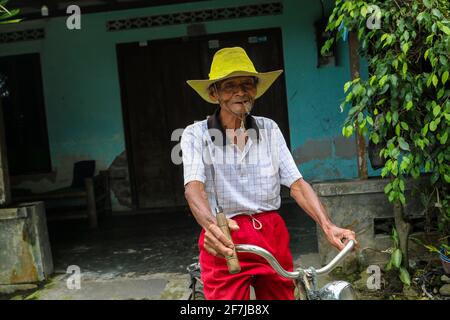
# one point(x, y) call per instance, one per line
point(198, 203)
point(307, 199)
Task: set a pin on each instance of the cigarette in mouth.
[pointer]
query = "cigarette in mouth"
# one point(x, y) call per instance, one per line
point(248, 106)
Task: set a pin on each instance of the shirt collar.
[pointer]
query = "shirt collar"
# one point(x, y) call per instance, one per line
point(214, 122)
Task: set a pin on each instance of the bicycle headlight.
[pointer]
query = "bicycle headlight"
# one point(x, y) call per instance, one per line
point(337, 290)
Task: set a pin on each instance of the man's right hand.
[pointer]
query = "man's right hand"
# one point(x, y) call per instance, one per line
point(216, 243)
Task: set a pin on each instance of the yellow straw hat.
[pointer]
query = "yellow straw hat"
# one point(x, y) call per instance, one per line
point(233, 62)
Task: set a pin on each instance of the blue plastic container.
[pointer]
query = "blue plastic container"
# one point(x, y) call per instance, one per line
point(445, 260)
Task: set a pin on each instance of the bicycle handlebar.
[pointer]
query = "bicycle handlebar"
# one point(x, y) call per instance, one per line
point(293, 274)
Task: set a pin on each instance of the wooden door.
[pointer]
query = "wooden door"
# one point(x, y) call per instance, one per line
point(156, 101)
point(25, 120)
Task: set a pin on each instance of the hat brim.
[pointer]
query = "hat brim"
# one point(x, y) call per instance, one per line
point(265, 80)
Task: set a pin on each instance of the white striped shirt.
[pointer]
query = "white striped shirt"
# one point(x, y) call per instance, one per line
point(247, 181)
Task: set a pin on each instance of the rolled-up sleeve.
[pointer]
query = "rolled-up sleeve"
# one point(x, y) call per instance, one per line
point(288, 170)
point(192, 150)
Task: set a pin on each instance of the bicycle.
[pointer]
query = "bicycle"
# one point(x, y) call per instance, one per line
point(305, 279)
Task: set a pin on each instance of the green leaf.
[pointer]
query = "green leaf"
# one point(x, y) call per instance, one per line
point(406, 35)
point(434, 177)
point(347, 86)
point(380, 102)
point(394, 154)
point(402, 198)
point(404, 125)
point(431, 248)
point(338, 21)
point(11, 21)
point(388, 41)
point(395, 237)
point(401, 185)
point(326, 46)
point(360, 117)
point(427, 3)
point(404, 276)
point(397, 129)
point(435, 80)
point(375, 138)
point(349, 97)
point(362, 125)
point(405, 48)
point(393, 78)
point(415, 172)
point(420, 144)
point(395, 117)
point(436, 13)
point(405, 164)
point(444, 137)
point(405, 68)
point(436, 110)
point(429, 80)
point(395, 64)
point(445, 77)
point(388, 188)
point(403, 144)
point(409, 105)
point(383, 80)
point(384, 172)
point(389, 266)
point(348, 131)
point(445, 29)
point(392, 194)
point(396, 258)
point(425, 130)
point(428, 166)
point(433, 126)
point(388, 117)
point(364, 11)
point(353, 110)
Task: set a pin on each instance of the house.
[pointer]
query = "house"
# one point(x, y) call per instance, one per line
point(92, 92)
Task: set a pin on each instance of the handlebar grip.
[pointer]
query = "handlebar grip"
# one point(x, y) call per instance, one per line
point(232, 261)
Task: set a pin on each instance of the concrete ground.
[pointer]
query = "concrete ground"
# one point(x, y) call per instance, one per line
point(142, 256)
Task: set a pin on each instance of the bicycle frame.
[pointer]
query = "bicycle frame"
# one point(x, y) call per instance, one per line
point(305, 279)
point(196, 284)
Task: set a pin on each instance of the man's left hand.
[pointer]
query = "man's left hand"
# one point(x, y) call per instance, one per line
point(339, 237)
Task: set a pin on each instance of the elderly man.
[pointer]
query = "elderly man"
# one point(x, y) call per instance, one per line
point(238, 161)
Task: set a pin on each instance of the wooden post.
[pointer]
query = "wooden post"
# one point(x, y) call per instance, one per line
point(5, 192)
point(354, 70)
point(108, 206)
point(91, 206)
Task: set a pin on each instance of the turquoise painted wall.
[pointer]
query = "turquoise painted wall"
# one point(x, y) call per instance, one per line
point(82, 93)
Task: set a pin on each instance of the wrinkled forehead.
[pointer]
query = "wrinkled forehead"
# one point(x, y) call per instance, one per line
point(239, 79)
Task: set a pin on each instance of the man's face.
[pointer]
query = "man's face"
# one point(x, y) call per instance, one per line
point(235, 92)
